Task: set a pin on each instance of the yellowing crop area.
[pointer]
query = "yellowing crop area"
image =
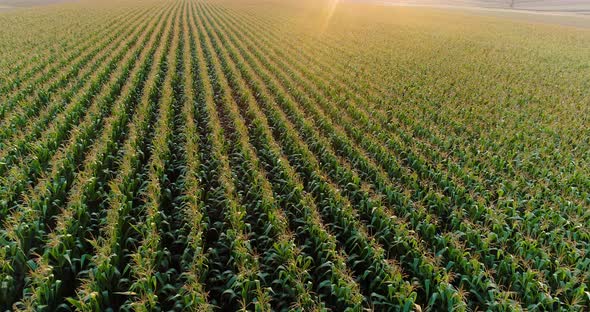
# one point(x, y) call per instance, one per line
point(265, 155)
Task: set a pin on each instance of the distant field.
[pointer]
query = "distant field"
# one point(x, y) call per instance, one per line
point(292, 155)
point(539, 5)
point(562, 12)
point(6, 5)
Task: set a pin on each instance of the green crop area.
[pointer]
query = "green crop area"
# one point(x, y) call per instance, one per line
point(296, 155)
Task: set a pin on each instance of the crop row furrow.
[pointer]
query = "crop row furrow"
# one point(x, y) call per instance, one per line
point(59, 101)
point(41, 90)
point(150, 260)
point(284, 269)
point(39, 82)
point(193, 262)
point(366, 202)
point(39, 156)
point(65, 252)
point(234, 277)
point(416, 131)
point(25, 64)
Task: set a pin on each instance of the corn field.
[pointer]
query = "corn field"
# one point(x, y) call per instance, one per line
point(225, 155)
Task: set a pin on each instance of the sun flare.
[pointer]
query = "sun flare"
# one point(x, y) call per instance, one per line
point(329, 10)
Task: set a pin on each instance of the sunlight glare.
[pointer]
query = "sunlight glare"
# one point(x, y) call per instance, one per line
point(328, 13)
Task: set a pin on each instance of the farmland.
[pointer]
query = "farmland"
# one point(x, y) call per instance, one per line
point(265, 155)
